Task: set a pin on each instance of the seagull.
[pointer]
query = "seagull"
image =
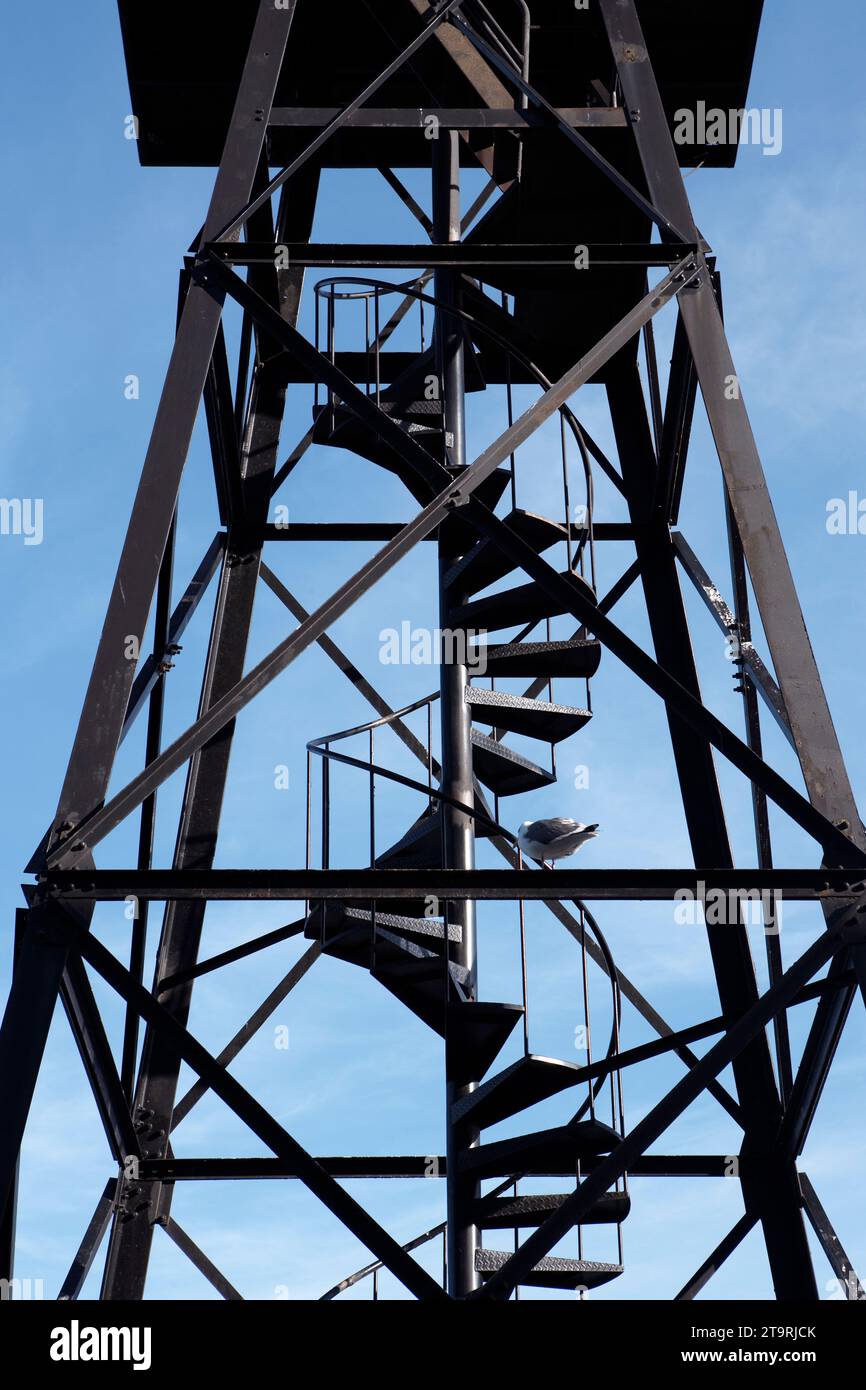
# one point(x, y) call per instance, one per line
point(553, 839)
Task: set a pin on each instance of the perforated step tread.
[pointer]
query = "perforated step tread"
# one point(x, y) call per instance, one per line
point(551, 1272)
point(516, 714)
point(515, 1213)
point(504, 771)
point(537, 659)
point(390, 954)
point(340, 916)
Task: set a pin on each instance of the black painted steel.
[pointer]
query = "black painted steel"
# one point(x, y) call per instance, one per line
point(461, 85)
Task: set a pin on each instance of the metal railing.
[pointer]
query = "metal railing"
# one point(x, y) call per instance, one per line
point(343, 290)
point(323, 748)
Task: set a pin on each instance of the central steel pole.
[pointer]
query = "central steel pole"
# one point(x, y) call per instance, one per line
point(458, 828)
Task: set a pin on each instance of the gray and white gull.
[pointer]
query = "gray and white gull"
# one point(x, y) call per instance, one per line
point(554, 839)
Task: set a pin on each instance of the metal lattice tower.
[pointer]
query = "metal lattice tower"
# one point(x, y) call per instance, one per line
point(552, 281)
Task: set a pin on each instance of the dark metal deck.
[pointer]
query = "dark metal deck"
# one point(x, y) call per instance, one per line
point(184, 73)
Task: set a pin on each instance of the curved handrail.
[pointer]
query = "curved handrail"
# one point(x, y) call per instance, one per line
point(321, 748)
point(326, 289)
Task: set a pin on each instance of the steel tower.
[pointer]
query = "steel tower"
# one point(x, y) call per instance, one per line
point(551, 281)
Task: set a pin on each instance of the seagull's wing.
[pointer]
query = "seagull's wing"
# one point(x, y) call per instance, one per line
point(544, 832)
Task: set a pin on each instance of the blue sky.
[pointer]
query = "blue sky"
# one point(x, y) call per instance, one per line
point(89, 265)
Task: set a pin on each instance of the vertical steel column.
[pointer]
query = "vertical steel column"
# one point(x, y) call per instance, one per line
point(147, 824)
point(815, 737)
point(458, 828)
point(30, 1007)
point(775, 1199)
point(132, 1233)
point(9, 1201)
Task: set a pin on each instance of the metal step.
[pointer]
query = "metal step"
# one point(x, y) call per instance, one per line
point(510, 607)
point(528, 659)
point(419, 983)
point(517, 1213)
point(548, 1152)
point(551, 1272)
point(525, 1083)
point(476, 1034)
point(515, 714)
point(419, 848)
point(406, 391)
point(485, 563)
point(427, 931)
point(393, 953)
point(340, 429)
point(504, 771)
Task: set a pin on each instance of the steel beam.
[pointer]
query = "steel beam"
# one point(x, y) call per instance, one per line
point(628, 989)
point(611, 885)
point(449, 118)
point(830, 1243)
point(727, 621)
point(676, 427)
point(99, 1065)
point(223, 1084)
point(230, 230)
point(147, 824)
point(89, 1248)
point(107, 695)
point(848, 929)
point(760, 809)
point(456, 778)
point(265, 1010)
point(224, 710)
point(196, 1256)
point(815, 738)
point(363, 1166)
point(149, 674)
point(254, 463)
point(713, 1262)
point(476, 256)
point(781, 616)
point(34, 990)
point(667, 227)
point(784, 1232)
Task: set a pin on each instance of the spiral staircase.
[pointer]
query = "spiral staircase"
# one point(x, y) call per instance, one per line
point(409, 953)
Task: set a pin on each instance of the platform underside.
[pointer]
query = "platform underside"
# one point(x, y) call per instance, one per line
point(184, 64)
